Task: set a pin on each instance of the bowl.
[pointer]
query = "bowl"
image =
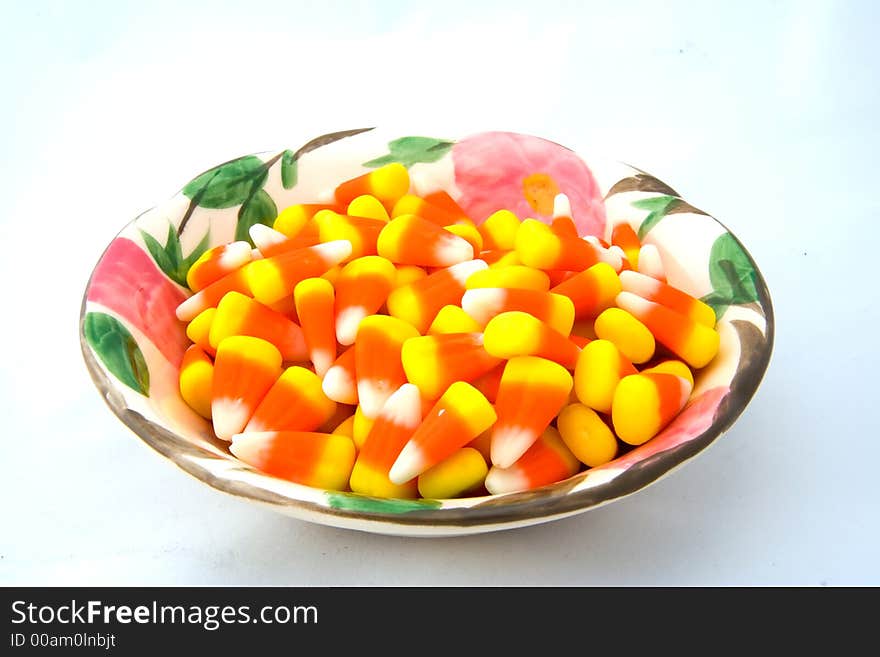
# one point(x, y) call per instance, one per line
point(132, 342)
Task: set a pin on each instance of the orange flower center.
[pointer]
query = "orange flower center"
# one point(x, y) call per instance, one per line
point(540, 190)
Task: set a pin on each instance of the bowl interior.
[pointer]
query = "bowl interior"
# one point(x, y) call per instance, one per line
point(133, 343)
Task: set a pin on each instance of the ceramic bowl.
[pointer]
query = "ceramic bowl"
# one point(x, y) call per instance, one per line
point(133, 343)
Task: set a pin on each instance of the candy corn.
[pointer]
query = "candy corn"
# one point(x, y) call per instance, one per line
point(624, 237)
point(547, 461)
point(368, 206)
point(452, 319)
point(499, 231)
point(675, 367)
point(362, 232)
point(666, 295)
point(628, 334)
point(485, 303)
point(210, 295)
point(215, 263)
point(599, 369)
point(532, 392)
point(361, 289)
point(196, 376)
point(434, 362)
point(459, 473)
point(442, 199)
point(515, 276)
point(563, 225)
point(407, 274)
point(538, 246)
point(272, 279)
point(468, 232)
point(199, 329)
point(340, 381)
point(458, 417)
point(361, 427)
point(245, 368)
point(315, 299)
point(412, 204)
point(411, 240)
point(320, 460)
point(387, 183)
point(650, 263)
point(517, 333)
point(378, 364)
point(592, 290)
point(586, 435)
point(292, 220)
point(645, 403)
point(295, 402)
point(238, 314)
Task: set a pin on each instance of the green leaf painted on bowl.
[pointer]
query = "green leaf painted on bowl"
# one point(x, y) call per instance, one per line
point(656, 207)
point(412, 150)
point(259, 208)
point(288, 169)
point(170, 258)
point(362, 504)
point(732, 275)
point(229, 184)
point(117, 349)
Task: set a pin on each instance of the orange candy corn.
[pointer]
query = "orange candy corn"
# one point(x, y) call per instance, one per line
point(244, 370)
point(516, 333)
point(419, 302)
point(196, 376)
point(442, 199)
point(315, 298)
point(532, 392)
point(362, 232)
point(411, 240)
point(379, 369)
point(361, 289)
point(463, 471)
point(645, 403)
point(499, 231)
point(599, 369)
point(238, 314)
point(514, 276)
point(485, 303)
point(563, 225)
point(695, 343)
point(321, 460)
point(459, 416)
point(291, 221)
point(666, 295)
point(651, 264)
point(412, 204)
point(387, 183)
point(676, 367)
point(295, 402)
point(340, 381)
point(395, 425)
point(498, 258)
point(272, 279)
point(538, 246)
point(209, 296)
point(270, 242)
point(215, 263)
point(199, 329)
point(434, 362)
point(624, 237)
point(467, 230)
point(547, 461)
point(592, 290)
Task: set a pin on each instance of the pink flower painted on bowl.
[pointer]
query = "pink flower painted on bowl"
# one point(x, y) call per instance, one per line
point(523, 174)
point(128, 282)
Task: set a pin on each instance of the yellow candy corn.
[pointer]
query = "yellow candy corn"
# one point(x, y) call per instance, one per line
point(645, 403)
point(380, 372)
point(407, 274)
point(485, 303)
point(467, 231)
point(676, 367)
point(215, 263)
point(362, 232)
point(538, 246)
point(272, 279)
point(666, 295)
point(368, 206)
point(387, 183)
point(592, 290)
point(291, 221)
point(199, 329)
point(360, 427)
point(515, 276)
point(411, 240)
point(196, 376)
point(599, 369)
point(517, 333)
point(315, 300)
point(434, 362)
point(346, 427)
point(238, 314)
point(499, 230)
point(628, 334)
point(586, 435)
point(295, 402)
point(452, 319)
point(459, 473)
point(361, 289)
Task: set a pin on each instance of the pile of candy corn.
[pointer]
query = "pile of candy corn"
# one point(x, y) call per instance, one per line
point(388, 345)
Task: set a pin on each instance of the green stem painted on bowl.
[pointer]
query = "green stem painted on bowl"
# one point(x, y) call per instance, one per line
point(412, 150)
point(657, 207)
point(117, 349)
point(732, 274)
point(363, 504)
point(169, 257)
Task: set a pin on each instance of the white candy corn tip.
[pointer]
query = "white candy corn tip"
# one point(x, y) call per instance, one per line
point(339, 386)
point(264, 237)
point(322, 360)
point(230, 416)
point(632, 303)
point(509, 443)
point(347, 322)
point(505, 480)
point(191, 307)
point(404, 407)
point(592, 239)
point(372, 396)
point(235, 255)
point(452, 250)
point(561, 206)
point(637, 283)
point(463, 270)
point(335, 251)
point(409, 464)
point(252, 447)
point(483, 303)
point(650, 262)
point(611, 257)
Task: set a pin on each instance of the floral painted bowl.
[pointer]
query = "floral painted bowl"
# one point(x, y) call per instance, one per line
point(133, 343)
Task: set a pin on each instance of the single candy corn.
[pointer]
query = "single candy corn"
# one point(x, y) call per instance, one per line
point(419, 302)
point(411, 240)
point(467, 230)
point(244, 370)
point(586, 435)
point(442, 199)
point(625, 237)
point(368, 206)
point(270, 242)
point(458, 417)
point(592, 290)
point(489, 383)
point(538, 246)
point(412, 204)
point(292, 220)
point(666, 295)
point(499, 230)
point(434, 362)
point(645, 403)
point(599, 369)
point(238, 314)
point(361, 427)
point(272, 279)
point(320, 460)
point(454, 476)
point(628, 334)
point(387, 183)
point(295, 402)
point(199, 329)
point(650, 263)
point(563, 225)
point(547, 461)
point(485, 303)
point(695, 343)
point(315, 300)
point(407, 274)
point(196, 376)
point(516, 276)
point(395, 425)
point(361, 289)
point(624, 261)
point(215, 263)
point(340, 381)
point(498, 258)
point(532, 392)
point(676, 367)
point(362, 232)
point(209, 296)
point(379, 369)
point(452, 319)
point(516, 333)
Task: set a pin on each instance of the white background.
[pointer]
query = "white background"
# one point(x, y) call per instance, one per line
point(764, 114)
